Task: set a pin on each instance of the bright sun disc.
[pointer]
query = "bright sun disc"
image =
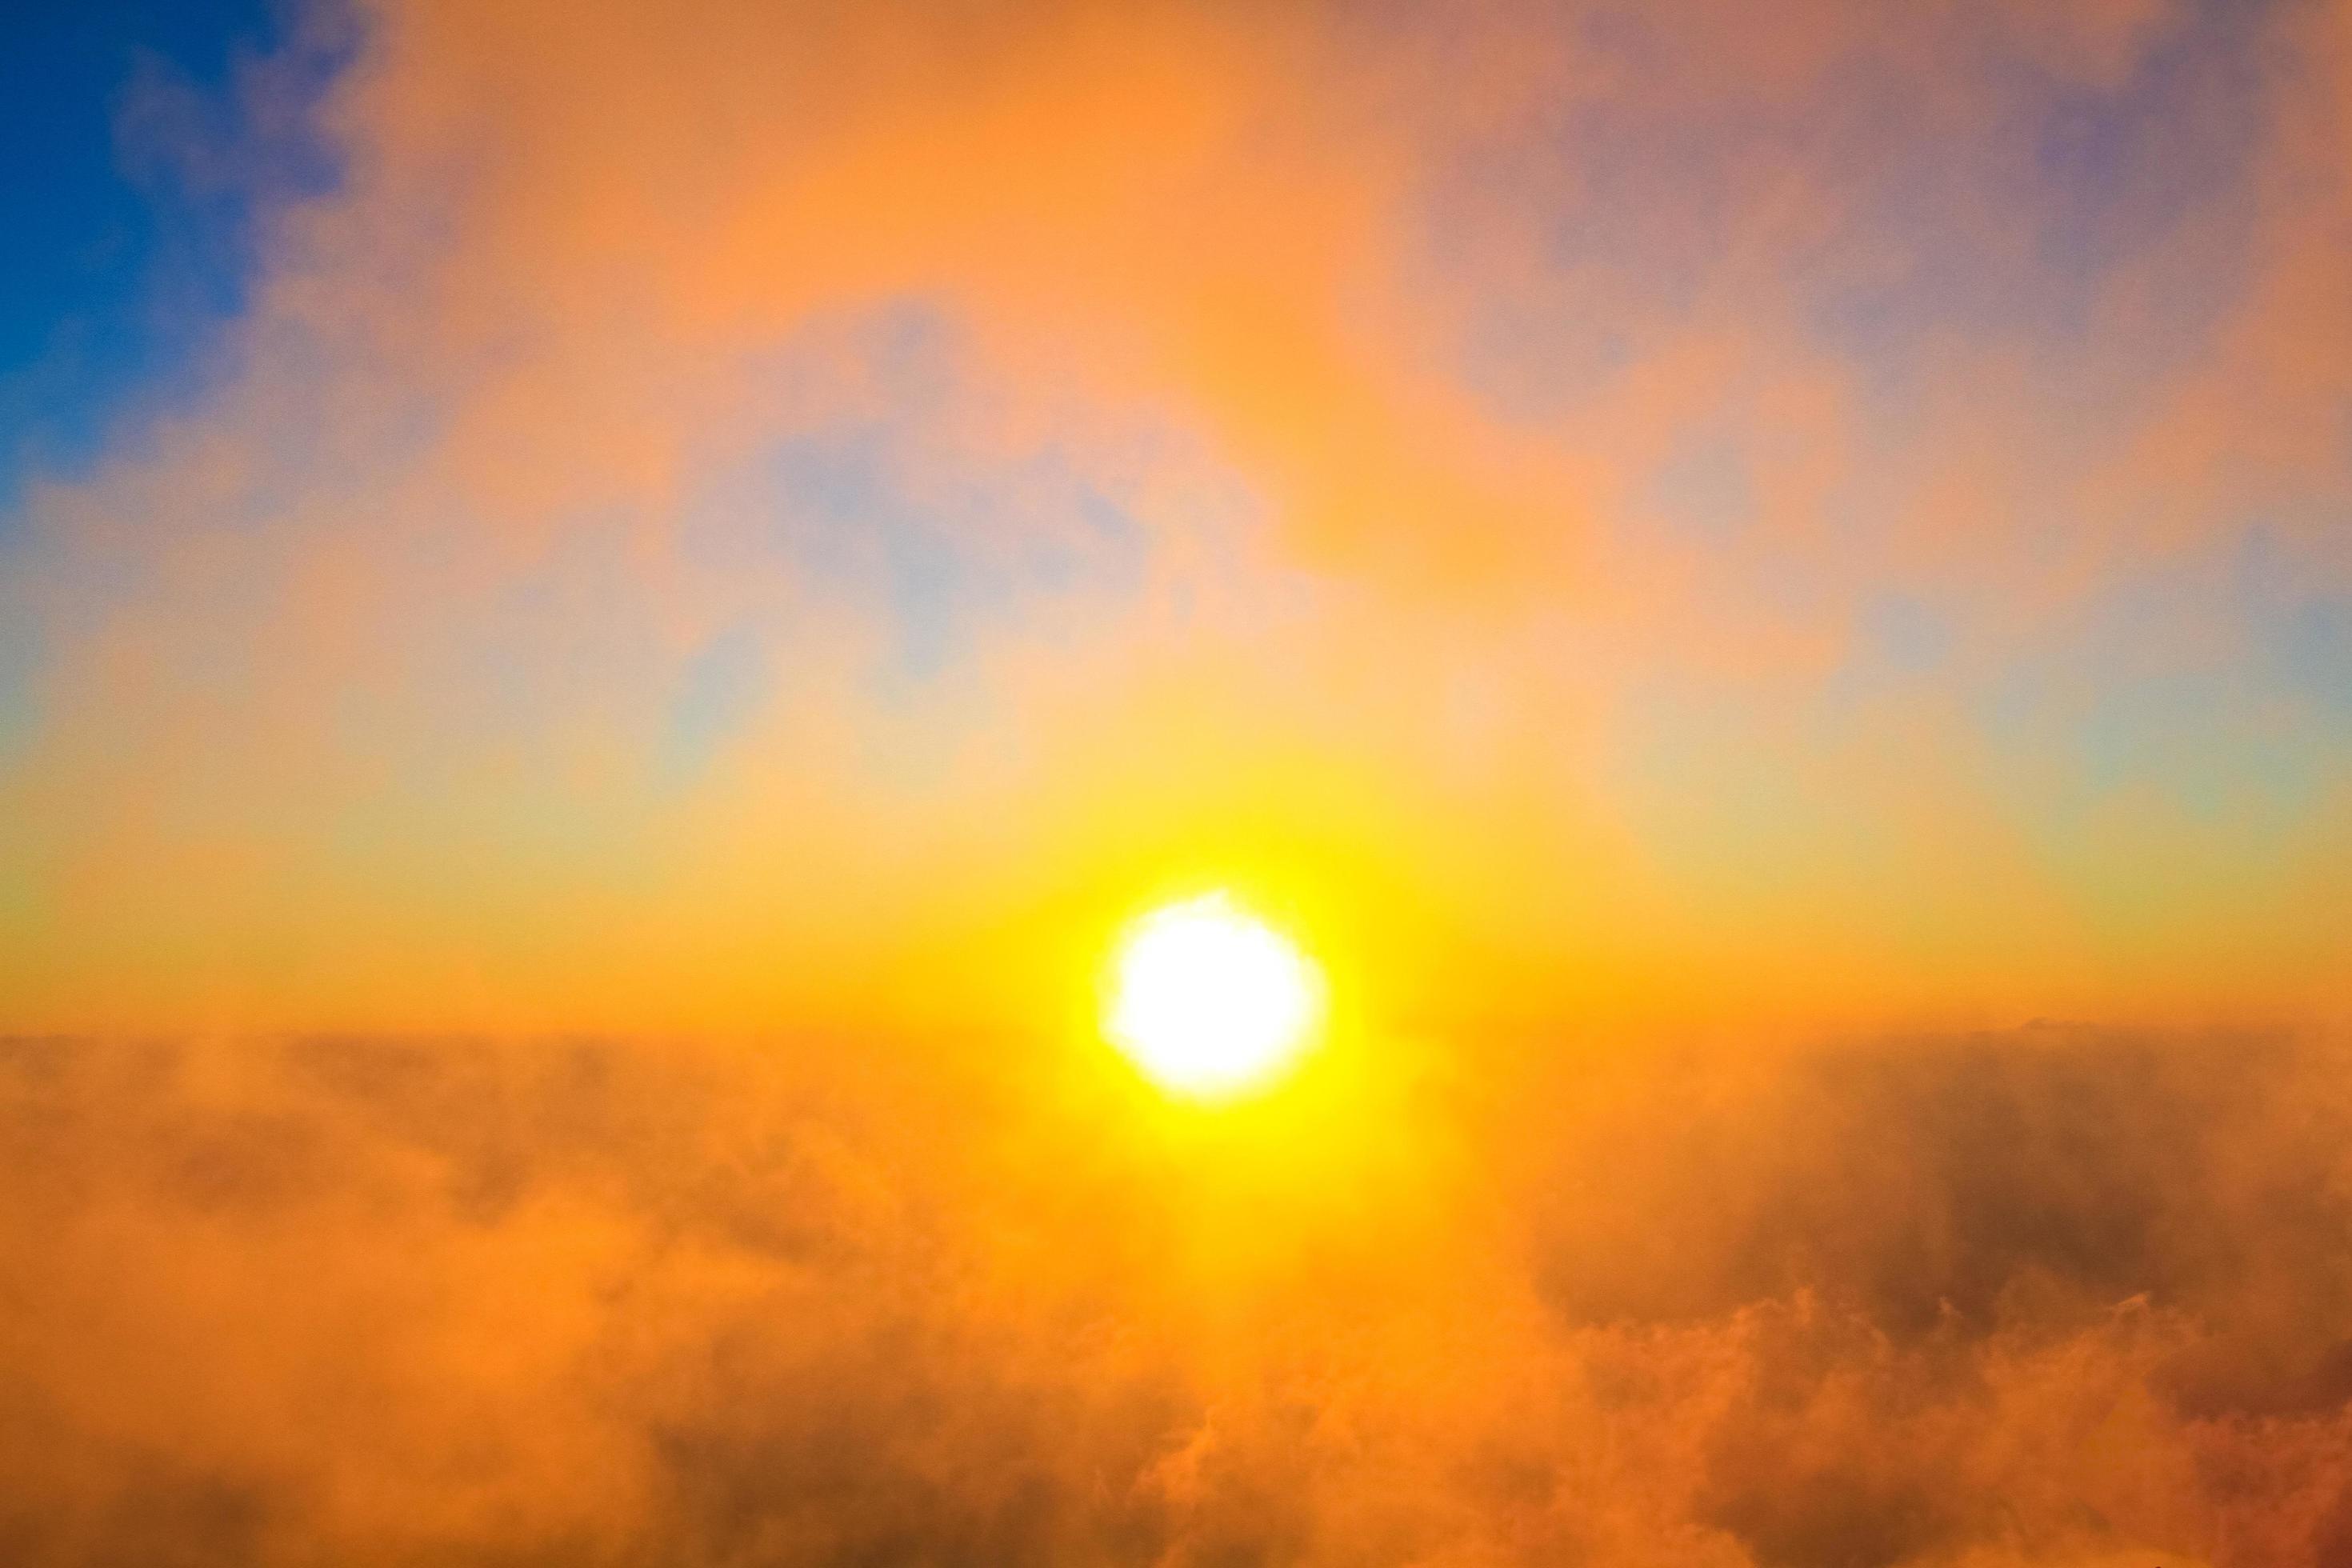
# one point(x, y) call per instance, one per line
point(1208, 1000)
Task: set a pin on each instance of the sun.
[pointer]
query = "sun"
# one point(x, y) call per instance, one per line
point(1209, 1000)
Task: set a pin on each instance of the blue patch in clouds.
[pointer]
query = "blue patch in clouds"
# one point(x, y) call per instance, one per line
point(721, 688)
point(134, 182)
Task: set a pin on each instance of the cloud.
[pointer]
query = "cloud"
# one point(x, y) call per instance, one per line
point(1147, 430)
point(2042, 1298)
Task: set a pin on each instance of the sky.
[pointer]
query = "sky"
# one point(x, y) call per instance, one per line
point(605, 608)
point(529, 521)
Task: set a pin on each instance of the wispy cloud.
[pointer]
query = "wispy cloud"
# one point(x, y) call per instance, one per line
point(1653, 481)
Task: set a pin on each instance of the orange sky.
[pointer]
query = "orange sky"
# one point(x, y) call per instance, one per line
point(1830, 518)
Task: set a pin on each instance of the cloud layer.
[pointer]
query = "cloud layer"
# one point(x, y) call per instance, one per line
point(2051, 1298)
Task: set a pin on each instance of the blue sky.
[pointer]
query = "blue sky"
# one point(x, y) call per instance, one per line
point(131, 201)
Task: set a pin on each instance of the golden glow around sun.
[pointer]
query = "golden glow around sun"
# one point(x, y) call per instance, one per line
point(1210, 1001)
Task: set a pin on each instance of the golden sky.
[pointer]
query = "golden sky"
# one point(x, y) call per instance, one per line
point(1764, 591)
point(1826, 517)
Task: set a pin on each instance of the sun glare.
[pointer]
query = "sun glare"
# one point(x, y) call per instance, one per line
point(1208, 1000)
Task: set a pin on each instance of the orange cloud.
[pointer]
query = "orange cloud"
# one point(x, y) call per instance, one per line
point(1104, 442)
point(2045, 1299)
